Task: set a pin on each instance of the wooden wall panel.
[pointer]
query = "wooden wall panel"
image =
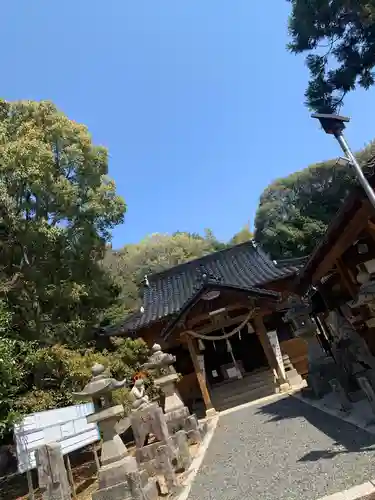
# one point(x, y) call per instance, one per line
point(296, 349)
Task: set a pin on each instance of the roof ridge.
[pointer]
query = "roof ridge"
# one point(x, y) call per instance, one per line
point(208, 257)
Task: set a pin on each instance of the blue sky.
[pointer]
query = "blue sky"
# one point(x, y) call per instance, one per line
point(198, 102)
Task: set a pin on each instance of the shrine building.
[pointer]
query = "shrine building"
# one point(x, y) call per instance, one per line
point(222, 316)
point(340, 273)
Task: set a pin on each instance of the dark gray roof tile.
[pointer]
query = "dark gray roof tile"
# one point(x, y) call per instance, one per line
point(243, 266)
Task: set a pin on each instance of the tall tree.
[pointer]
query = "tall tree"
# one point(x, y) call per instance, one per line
point(339, 39)
point(294, 212)
point(57, 210)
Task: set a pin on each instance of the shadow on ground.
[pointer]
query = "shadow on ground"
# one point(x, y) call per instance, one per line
point(347, 437)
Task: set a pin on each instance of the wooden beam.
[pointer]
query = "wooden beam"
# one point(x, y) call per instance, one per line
point(370, 229)
point(261, 332)
point(228, 322)
point(346, 278)
point(343, 242)
point(196, 319)
point(200, 377)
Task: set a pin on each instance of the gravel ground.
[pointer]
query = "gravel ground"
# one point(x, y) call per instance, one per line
point(283, 450)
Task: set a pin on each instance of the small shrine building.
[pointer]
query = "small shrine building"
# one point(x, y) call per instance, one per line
point(215, 314)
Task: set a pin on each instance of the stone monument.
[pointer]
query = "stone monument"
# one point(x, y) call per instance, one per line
point(52, 476)
point(119, 476)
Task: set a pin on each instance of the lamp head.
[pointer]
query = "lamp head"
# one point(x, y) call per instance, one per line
point(331, 124)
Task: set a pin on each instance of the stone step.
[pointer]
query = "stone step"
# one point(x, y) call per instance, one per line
point(241, 398)
point(241, 386)
point(242, 391)
point(260, 375)
point(247, 380)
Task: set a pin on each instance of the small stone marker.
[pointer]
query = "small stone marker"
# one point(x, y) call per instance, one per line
point(183, 454)
point(52, 476)
point(337, 388)
point(166, 467)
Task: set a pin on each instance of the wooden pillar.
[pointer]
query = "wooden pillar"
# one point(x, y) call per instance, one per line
point(346, 279)
point(200, 377)
point(261, 332)
point(370, 229)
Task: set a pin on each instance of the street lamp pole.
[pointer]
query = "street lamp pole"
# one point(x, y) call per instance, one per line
point(334, 125)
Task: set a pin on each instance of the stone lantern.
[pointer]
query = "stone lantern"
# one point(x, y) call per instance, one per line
point(161, 365)
point(366, 294)
point(177, 415)
point(298, 314)
point(119, 477)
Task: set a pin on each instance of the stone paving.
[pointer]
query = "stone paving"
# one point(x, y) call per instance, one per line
point(283, 449)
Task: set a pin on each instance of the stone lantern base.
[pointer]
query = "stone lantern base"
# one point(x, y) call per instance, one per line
point(123, 480)
point(177, 415)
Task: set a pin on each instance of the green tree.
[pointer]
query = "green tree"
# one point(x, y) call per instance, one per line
point(57, 371)
point(242, 236)
point(154, 253)
point(339, 39)
point(34, 378)
point(294, 212)
point(57, 210)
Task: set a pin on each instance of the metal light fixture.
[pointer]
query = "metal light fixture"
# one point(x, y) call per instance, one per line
point(363, 275)
point(362, 248)
point(334, 125)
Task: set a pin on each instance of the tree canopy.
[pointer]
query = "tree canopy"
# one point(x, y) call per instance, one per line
point(338, 37)
point(294, 211)
point(57, 210)
point(242, 236)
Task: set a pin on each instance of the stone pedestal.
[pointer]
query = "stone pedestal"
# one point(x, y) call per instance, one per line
point(321, 368)
point(149, 420)
point(167, 384)
point(166, 454)
point(368, 390)
point(342, 397)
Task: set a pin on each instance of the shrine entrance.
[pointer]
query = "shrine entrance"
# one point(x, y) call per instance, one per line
point(232, 358)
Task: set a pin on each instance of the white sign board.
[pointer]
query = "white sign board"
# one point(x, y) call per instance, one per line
point(202, 365)
point(67, 426)
point(274, 341)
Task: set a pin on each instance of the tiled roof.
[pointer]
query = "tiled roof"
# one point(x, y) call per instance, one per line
point(243, 266)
